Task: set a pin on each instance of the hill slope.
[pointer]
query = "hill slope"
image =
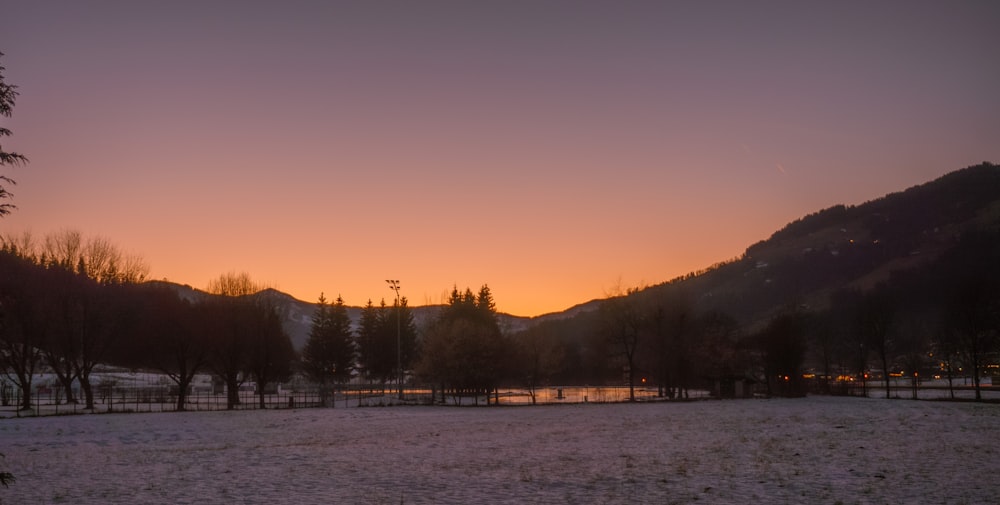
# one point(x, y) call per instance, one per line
point(847, 246)
point(800, 264)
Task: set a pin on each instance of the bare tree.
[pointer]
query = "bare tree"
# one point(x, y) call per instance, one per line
point(228, 350)
point(174, 342)
point(85, 298)
point(874, 320)
point(248, 338)
point(974, 313)
point(271, 350)
point(22, 324)
point(107, 264)
point(540, 356)
point(234, 285)
point(783, 347)
point(622, 324)
point(666, 348)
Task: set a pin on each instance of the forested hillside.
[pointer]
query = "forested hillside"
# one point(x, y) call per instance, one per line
point(906, 284)
point(916, 251)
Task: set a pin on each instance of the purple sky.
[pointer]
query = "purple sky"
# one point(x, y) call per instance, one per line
point(554, 150)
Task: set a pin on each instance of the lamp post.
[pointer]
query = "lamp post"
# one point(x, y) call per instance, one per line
point(394, 285)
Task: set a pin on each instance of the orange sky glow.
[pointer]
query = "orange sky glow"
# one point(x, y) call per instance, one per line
point(554, 151)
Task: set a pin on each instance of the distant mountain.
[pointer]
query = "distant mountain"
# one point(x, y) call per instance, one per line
point(800, 264)
point(298, 314)
point(847, 246)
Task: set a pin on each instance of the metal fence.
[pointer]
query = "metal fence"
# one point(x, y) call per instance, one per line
point(51, 401)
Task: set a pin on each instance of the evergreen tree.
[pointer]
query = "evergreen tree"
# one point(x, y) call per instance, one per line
point(377, 357)
point(464, 349)
point(315, 354)
point(342, 341)
point(329, 352)
point(407, 332)
point(8, 92)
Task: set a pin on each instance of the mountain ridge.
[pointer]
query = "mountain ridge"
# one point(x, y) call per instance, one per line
point(802, 262)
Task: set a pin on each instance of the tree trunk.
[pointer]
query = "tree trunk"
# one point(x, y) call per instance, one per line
point(631, 381)
point(232, 392)
point(66, 381)
point(885, 373)
point(951, 387)
point(88, 391)
point(975, 380)
point(324, 395)
point(25, 393)
point(182, 386)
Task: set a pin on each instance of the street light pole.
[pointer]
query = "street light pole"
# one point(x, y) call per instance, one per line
point(394, 285)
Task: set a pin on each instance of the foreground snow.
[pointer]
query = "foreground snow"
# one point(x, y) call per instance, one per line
point(814, 450)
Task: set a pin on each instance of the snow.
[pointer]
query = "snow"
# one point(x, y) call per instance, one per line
point(812, 450)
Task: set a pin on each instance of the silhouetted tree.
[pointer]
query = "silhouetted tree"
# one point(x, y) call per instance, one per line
point(945, 345)
point(88, 280)
point(329, 352)
point(913, 342)
point(541, 354)
point(874, 320)
point(464, 349)
point(831, 346)
point(621, 324)
point(8, 93)
point(377, 340)
point(230, 318)
point(175, 340)
point(783, 345)
point(271, 351)
point(375, 351)
point(713, 340)
point(23, 323)
point(665, 344)
point(974, 314)
point(248, 340)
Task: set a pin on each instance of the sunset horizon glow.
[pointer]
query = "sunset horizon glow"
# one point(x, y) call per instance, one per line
point(557, 152)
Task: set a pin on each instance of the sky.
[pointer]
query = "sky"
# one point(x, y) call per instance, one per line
point(556, 151)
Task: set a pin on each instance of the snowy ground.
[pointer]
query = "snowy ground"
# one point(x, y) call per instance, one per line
point(813, 450)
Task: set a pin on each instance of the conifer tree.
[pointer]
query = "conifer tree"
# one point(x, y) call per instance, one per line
point(329, 352)
point(371, 341)
point(8, 92)
point(464, 350)
point(314, 355)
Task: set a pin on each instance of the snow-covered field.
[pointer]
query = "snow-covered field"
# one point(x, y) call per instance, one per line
point(812, 450)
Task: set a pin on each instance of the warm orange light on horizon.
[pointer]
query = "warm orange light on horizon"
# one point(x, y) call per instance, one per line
point(553, 161)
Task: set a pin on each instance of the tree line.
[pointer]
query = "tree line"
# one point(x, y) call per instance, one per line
point(68, 304)
point(71, 304)
point(941, 318)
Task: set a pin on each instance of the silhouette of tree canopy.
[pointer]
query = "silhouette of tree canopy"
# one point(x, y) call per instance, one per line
point(247, 338)
point(464, 349)
point(329, 352)
point(623, 323)
point(8, 93)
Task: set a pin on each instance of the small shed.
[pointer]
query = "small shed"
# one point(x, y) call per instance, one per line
point(733, 386)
